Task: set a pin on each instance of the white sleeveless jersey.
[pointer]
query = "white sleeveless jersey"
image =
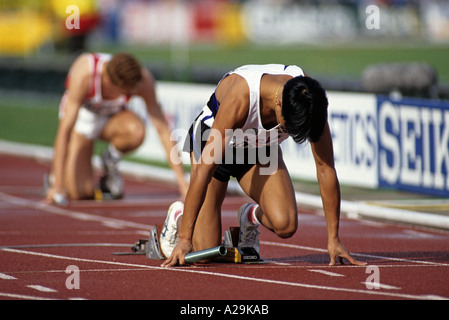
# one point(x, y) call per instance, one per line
point(253, 132)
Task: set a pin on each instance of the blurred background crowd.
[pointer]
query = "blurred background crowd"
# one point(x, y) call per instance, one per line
point(29, 25)
point(166, 35)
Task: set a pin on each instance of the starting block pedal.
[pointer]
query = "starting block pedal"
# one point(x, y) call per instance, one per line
point(231, 237)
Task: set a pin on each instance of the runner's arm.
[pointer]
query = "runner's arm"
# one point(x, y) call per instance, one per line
point(230, 115)
point(330, 195)
point(147, 91)
point(77, 91)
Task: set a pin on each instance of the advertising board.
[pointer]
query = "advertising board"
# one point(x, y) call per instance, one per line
point(378, 142)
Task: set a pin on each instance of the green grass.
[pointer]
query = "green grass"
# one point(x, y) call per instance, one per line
point(33, 119)
point(28, 120)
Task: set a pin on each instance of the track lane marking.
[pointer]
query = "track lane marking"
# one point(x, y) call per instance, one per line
point(235, 277)
point(23, 296)
point(380, 286)
point(117, 223)
point(4, 276)
point(327, 273)
point(299, 247)
point(106, 221)
point(41, 288)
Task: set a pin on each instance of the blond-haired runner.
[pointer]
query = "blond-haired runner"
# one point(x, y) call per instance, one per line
point(254, 108)
point(94, 106)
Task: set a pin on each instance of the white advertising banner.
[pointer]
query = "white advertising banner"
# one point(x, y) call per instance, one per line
point(352, 118)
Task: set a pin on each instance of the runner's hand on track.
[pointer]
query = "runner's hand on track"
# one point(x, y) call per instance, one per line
point(337, 250)
point(57, 197)
point(178, 255)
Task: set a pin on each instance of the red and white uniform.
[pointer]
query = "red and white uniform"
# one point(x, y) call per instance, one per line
point(95, 111)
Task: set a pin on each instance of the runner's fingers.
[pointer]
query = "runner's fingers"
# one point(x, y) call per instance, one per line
point(348, 257)
point(352, 260)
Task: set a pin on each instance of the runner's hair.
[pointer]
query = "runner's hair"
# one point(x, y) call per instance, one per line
point(304, 109)
point(124, 70)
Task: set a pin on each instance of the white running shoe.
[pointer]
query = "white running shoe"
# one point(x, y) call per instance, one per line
point(249, 233)
point(112, 181)
point(169, 234)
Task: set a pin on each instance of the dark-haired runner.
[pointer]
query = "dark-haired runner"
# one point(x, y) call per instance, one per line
point(252, 110)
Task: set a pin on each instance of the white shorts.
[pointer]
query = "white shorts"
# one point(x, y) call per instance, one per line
point(90, 124)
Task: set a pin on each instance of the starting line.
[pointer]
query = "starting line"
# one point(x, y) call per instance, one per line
point(237, 277)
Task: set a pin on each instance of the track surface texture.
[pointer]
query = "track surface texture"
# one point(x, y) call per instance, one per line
point(50, 252)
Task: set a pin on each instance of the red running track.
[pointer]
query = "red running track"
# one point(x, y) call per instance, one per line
point(42, 247)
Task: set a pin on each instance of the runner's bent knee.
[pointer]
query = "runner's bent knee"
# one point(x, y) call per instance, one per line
point(136, 133)
point(284, 224)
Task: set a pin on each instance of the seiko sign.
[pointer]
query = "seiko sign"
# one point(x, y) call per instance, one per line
point(414, 145)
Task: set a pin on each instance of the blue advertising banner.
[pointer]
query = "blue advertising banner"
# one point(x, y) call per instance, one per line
point(413, 137)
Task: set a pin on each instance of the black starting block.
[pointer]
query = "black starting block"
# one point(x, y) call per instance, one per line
point(234, 253)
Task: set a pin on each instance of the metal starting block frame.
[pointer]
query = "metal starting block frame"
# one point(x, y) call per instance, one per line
point(151, 248)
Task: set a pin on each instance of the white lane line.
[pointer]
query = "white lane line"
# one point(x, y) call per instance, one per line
point(41, 288)
point(235, 277)
point(106, 221)
point(7, 277)
point(381, 286)
point(327, 273)
point(294, 246)
point(141, 201)
point(23, 296)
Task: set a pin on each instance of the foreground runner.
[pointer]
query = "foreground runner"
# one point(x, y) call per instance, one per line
point(95, 107)
point(268, 103)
